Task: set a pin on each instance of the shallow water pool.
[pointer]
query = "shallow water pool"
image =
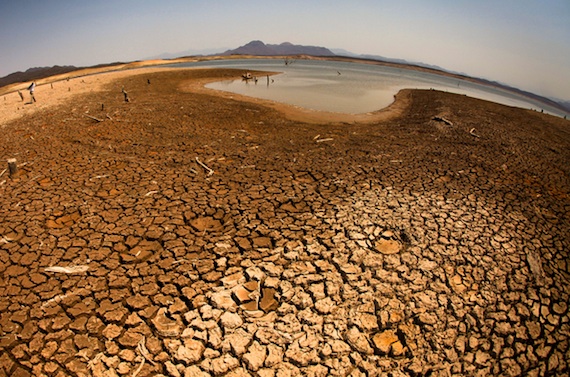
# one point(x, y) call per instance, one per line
point(347, 87)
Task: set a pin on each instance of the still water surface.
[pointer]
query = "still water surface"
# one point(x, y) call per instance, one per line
point(351, 88)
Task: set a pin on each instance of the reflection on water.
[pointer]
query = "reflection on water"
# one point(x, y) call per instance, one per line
point(350, 87)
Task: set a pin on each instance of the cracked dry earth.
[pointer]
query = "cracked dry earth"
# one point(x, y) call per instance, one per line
point(409, 247)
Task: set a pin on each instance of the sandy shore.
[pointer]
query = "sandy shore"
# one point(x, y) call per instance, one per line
point(58, 90)
point(190, 233)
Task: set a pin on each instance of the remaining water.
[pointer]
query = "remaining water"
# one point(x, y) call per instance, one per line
point(351, 88)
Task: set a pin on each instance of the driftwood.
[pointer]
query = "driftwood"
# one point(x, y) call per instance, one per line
point(67, 270)
point(442, 119)
point(59, 298)
point(92, 117)
point(210, 171)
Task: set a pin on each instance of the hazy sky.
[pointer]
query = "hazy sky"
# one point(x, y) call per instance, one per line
point(524, 43)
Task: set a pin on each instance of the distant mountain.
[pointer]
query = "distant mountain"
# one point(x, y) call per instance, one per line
point(566, 104)
point(36, 74)
point(261, 49)
point(43, 72)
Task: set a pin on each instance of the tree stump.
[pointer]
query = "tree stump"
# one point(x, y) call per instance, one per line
point(12, 167)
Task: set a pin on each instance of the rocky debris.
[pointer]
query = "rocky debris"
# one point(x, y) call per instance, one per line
point(292, 258)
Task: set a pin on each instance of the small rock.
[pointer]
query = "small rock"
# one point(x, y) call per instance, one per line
point(428, 318)
point(223, 364)
point(358, 341)
point(398, 349)
point(190, 352)
point(223, 300)
point(325, 306)
point(268, 301)
point(231, 321)
point(112, 331)
point(255, 273)
point(383, 341)
point(241, 294)
point(274, 355)
point(237, 342)
point(171, 369)
point(255, 356)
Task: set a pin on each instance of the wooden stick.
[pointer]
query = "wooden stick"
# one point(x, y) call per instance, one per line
point(441, 119)
point(92, 117)
point(210, 171)
point(138, 370)
point(472, 133)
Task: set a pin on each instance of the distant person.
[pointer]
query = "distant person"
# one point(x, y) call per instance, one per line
point(31, 89)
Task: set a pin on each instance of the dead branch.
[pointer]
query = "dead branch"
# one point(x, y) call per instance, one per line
point(323, 140)
point(59, 298)
point(210, 171)
point(92, 117)
point(67, 270)
point(472, 133)
point(442, 119)
point(138, 370)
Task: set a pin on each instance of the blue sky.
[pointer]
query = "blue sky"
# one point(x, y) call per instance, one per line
point(522, 43)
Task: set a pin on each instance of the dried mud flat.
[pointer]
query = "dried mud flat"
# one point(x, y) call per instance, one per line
point(189, 234)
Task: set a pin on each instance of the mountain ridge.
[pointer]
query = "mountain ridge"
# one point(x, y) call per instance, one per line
point(259, 48)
